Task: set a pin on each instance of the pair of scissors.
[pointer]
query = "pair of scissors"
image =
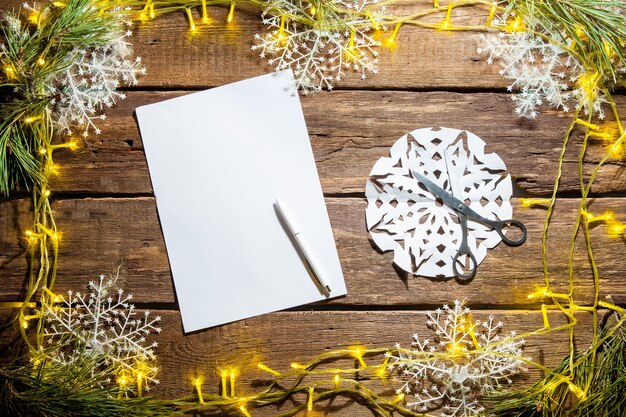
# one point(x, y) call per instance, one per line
point(464, 212)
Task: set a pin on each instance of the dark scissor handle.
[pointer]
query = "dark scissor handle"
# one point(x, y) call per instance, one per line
point(464, 250)
point(498, 225)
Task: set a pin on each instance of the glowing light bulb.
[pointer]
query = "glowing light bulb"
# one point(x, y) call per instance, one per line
point(46, 193)
point(577, 391)
point(41, 62)
point(244, 411)
point(31, 119)
point(233, 377)
point(268, 369)
point(223, 376)
point(296, 365)
point(312, 10)
point(532, 202)
point(231, 12)
point(309, 405)
point(446, 21)
point(540, 293)
point(391, 42)
point(398, 398)
point(337, 380)
point(197, 383)
point(10, 72)
point(492, 14)
point(516, 25)
point(192, 23)
point(373, 21)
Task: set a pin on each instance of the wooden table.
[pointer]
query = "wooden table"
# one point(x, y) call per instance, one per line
point(105, 208)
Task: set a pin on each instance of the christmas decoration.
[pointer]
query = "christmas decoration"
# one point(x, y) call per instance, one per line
point(469, 367)
point(404, 217)
point(106, 324)
point(61, 62)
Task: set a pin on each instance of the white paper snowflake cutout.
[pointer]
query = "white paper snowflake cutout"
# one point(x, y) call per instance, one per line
point(404, 217)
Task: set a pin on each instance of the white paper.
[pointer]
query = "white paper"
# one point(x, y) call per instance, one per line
point(404, 218)
point(218, 159)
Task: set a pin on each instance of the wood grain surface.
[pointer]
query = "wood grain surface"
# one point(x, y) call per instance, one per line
point(106, 212)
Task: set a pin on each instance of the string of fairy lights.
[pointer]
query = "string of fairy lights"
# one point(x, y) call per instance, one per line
point(312, 380)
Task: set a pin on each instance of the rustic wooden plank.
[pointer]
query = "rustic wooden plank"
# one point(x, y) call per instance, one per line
point(220, 53)
point(100, 234)
point(279, 338)
point(349, 140)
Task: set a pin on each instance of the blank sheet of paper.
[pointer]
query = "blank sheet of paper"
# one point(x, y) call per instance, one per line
point(218, 159)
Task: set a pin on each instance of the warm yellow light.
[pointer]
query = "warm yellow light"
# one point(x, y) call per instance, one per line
point(435, 4)
point(41, 62)
point(309, 405)
point(531, 202)
point(398, 398)
point(9, 71)
point(296, 365)
point(34, 17)
point(492, 14)
point(122, 381)
point(617, 229)
point(268, 369)
point(46, 193)
point(233, 376)
point(616, 150)
point(373, 21)
point(587, 124)
point(59, 4)
point(244, 411)
point(312, 10)
point(540, 293)
point(391, 42)
point(588, 83)
point(197, 383)
point(446, 21)
point(25, 324)
point(358, 355)
point(231, 12)
point(223, 376)
point(337, 380)
point(457, 348)
point(516, 25)
point(205, 15)
point(31, 119)
point(192, 24)
point(577, 391)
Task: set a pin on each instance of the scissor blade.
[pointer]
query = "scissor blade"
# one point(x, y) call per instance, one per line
point(447, 198)
point(434, 188)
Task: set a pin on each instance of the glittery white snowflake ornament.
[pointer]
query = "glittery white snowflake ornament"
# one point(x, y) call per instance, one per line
point(319, 55)
point(542, 73)
point(404, 217)
point(104, 323)
point(91, 75)
point(466, 360)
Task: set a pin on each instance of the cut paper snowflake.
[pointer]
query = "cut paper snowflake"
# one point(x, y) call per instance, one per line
point(103, 322)
point(466, 360)
point(319, 55)
point(403, 217)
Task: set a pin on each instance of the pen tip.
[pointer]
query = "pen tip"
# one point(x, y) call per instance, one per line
point(327, 288)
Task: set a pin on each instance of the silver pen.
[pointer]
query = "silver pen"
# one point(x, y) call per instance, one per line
point(297, 235)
